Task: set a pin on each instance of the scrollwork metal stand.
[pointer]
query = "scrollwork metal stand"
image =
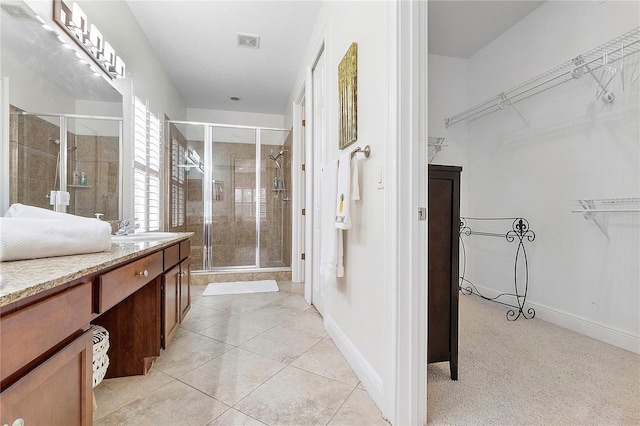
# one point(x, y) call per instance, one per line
point(519, 232)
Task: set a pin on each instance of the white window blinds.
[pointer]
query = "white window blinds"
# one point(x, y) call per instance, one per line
point(146, 165)
point(177, 184)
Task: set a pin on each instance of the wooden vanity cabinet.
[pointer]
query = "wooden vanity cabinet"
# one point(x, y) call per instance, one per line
point(170, 304)
point(185, 288)
point(46, 363)
point(444, 227)
point(46, 342)
point(176, 289)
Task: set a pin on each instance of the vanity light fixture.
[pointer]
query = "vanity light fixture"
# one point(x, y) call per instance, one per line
point(74, 22)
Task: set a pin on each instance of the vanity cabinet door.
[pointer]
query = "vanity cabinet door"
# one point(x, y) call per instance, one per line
point(185, 288)
point(170, 304)
point(56, 392)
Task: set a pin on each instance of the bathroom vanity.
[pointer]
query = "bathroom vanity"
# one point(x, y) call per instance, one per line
point(138, 291)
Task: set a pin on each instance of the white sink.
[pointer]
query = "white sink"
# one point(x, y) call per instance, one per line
point(145, 236)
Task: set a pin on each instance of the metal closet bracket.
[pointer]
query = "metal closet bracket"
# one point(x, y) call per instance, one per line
point(504, 100)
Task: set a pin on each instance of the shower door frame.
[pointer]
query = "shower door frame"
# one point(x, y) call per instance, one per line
point(62, 166)
point(207, 189)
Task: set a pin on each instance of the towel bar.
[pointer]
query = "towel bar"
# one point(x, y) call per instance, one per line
point(366, 150)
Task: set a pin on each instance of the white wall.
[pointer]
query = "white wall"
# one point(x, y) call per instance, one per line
point(576, 147)
point(355, 306)
point(448, 96)
point(31, 92)
point(149, 79)
point(235, 117)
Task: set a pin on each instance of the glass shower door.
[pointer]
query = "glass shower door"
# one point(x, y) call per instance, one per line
point(235, 198)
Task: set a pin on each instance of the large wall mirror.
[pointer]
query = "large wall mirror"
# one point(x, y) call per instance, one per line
point(64, 121)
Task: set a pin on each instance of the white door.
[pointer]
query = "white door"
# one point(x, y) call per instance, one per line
point(317, 152)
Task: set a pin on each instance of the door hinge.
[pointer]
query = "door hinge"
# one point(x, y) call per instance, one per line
point(304, 123)
point(422, 213)
point(304, 212)
point(303, 167)
point(302, 256)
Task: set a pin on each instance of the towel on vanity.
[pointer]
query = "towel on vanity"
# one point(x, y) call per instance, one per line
point(328, 231)
point(30, 232)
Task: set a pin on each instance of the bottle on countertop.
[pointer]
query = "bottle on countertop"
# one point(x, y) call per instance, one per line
point(83, 179)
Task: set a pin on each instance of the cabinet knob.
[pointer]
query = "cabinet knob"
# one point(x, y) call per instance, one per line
point(144, 273)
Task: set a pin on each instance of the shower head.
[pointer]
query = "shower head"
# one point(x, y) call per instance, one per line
point(57, 142)
point(280, 154)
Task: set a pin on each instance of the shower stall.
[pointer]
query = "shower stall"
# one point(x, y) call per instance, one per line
point(54, 154)
point(230, 186)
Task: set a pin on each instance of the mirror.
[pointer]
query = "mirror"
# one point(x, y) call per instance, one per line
point(64, 120)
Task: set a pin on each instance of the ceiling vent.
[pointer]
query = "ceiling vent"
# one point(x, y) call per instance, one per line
point(16, 11)
point(248, 40)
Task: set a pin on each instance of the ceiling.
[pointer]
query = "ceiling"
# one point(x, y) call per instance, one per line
point(196, 42)
point(461, 28)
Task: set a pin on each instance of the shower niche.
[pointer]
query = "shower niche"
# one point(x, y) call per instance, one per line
point(236, 200)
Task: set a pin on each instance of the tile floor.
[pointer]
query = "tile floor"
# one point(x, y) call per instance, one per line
point(250, 359)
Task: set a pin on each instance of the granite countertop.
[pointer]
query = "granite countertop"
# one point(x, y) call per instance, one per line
point(24, 278)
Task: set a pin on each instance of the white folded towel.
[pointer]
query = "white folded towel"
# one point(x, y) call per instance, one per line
point(328, 231)
point(343, 197)
point(31, 232)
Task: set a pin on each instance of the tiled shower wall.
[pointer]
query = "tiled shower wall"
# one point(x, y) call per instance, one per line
point(33, 160)
point(234, 229)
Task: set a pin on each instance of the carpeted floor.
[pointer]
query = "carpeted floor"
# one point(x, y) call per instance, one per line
point(531, 372)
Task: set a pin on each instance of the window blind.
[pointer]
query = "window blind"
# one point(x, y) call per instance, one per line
point(146, 164)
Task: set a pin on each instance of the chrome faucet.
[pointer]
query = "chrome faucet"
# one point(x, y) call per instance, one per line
point(127, 226)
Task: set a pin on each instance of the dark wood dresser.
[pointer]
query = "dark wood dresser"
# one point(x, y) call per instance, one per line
point(444, 226)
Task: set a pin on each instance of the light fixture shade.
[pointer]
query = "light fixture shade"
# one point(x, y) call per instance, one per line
point(96, 39)
point(79, 20)
point(108, 55)
point(120, 67)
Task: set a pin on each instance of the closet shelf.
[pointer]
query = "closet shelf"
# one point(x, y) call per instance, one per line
point(585, 64)
point(594, 209)
point(607, 205)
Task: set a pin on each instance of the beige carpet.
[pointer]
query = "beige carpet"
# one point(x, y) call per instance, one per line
point(530, 372)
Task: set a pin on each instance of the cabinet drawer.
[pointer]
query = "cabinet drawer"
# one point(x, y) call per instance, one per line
point(30, 332)
point(117, 285)
point(171, 256)
point(185, 249)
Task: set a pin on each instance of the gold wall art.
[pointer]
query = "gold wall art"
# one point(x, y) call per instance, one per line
point(348, 97)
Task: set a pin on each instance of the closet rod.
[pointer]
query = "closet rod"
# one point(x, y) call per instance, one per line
point(616, 49)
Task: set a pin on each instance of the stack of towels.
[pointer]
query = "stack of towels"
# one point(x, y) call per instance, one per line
point(28, 232)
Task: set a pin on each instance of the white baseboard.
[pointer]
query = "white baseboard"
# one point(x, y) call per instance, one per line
point(581, 325)
point(367, 375)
